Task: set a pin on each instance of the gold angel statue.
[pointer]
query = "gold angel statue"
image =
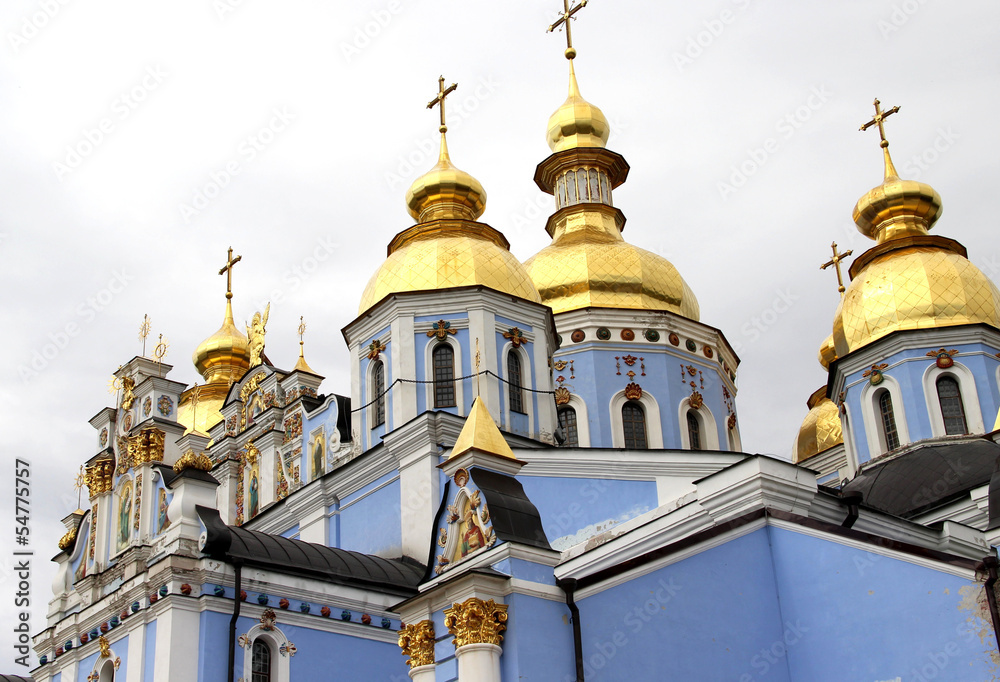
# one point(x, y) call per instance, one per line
point(255, 333)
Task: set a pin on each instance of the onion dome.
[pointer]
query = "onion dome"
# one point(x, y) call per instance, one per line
point(821, 429)
point(588, 263)
point(577, 123)
point(224, 354)
point(446, 248)
point(910, 279)
point(827, 352)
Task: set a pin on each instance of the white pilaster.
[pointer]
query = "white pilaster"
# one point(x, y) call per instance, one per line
point(424, 673)
point(478, 663)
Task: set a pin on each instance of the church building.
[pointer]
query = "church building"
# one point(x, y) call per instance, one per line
point(536, 473)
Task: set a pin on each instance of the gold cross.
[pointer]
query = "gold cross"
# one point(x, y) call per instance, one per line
point(442, 93)
point(567, 15)
point(835, 262)
point(78, 483)
point(144, 332)
point(880, 117)
point(227, 269)
point(302, 328)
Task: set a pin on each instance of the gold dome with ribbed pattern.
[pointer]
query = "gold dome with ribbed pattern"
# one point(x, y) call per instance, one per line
point(821, 429)
point(827, 352)
point(577, 123)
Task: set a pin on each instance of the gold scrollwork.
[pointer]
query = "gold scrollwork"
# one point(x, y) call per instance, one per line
point(248, 388)
point(475, 621)
point(105, 646)
point(99, 476)
point(417, 642)
point(190, 460)
point(66, 541)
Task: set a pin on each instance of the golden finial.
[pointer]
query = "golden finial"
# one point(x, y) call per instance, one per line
point(115, 383)
point(144, 332)
point(227, 270)
point(301, 364)
point(195, 394)
point(160, 352)
point(566, 18)
point(78, 483)
point(439, 99)
point(880, 116)
point(835, 262)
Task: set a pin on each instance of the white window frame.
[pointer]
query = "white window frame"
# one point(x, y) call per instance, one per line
point(873, 415)
point(654, 427)
point(966, 388)
point(370, 394)
point(706, 420)
point(527, 382)
point(274, 638)
point(456, 349)
point(582, 422)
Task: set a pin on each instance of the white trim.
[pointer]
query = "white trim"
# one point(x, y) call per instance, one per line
point(654, 427)
point(527, 398)
point(873, 415)
point(582, 420)
point(850, 448)
point(706, 420)
point(966, 389)
point(456, 349)
point(274, 639)
point(733, 437)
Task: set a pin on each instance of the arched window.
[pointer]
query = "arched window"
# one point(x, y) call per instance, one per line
point(952, 410)
point(107, 673)
point(514, 392)
point(634, 425)
point(261, 662)
point(889, 432)
point(567, 422)
point(444, 376)
point(378, 394)
point(694, 430)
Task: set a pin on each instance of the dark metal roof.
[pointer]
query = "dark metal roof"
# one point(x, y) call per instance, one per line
point(926, 477)
point(514, 517)
point(15, 678)
point(236, 544)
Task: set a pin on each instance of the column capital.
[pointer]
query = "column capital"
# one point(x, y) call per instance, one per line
point(417, 642)
point(475, 621)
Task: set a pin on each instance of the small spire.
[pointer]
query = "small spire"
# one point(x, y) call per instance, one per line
point(480, 433)
point(302, 365)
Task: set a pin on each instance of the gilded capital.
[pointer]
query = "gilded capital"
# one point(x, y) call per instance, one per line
point(190, 460)
point(98, 477)
point(417, 642)
point(475, 621)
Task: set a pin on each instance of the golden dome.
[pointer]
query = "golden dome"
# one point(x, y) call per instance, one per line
point(589, 264)
point(225, 354)
point(821, 429)
point(445, 192)
point(910, 280)
point(577, 123)
point(211, 398)
point(827, 352)
point(446, 254)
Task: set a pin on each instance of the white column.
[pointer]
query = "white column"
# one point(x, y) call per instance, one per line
point(404, 364)
point(478, 663)
point(424, 673)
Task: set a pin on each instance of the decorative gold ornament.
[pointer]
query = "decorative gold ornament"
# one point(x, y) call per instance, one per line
point(66, 541)
point(874, 375)
point(248, 388)
point(562, 395)
point(944, 358)
point(516, 337)
point(438, 100)
point(227, 270)
point(128, 396)
point(268, 619)
point(99, 477)
point(475, 621)
point(441, 329)
point(160, 351)
point(114, 384)
point(256, 331)
point(417, 642)
point(190, 460)
point(78, 483)
point(375, 348)
point(442, 537)
point(696, 400)
point(253, 454)
point(144, 332)
point(731, 422)
point(564, 20)
point(633, 391)
point(105, 646)
point(879, 119)
point(835, 262)
point(145, 447)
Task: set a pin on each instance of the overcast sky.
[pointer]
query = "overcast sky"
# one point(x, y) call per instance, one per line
point(123, 122)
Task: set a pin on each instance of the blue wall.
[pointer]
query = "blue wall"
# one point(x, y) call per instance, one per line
point(370, 519)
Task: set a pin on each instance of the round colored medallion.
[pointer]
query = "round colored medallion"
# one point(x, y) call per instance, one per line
point(944, 361)
point(104, 437)
point(603, 333)
point(628, 335)
point(127, 422)
point(691, 345)
point(707, 350)
point(165, 405)
point(651, 335)
point(147, 406)
point(674, 339)
point(578, 335)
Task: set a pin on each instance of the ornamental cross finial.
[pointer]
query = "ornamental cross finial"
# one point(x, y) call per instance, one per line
point(227, 270)
point(835, 262)
point(565, 18)
point(879, 120)
point(144, 332)
point(478, 358)
point(78, 483)
point(439, 99)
